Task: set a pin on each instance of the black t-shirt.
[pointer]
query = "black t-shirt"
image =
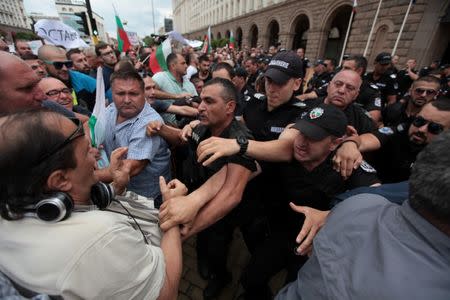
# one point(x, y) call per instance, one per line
point(252, 78)
point(267, 125)
point(357, 117)
point(318, 81)
point(386, 84)
point(314, 188)
point(404, 82)
point(199, 173)
point(397, 154)
point(395, 114)
point(369, 96)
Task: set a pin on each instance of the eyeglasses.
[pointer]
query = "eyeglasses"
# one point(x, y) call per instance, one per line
point(78, 132)
point(53, 93)
point(107, 53)
point(427, 92)
point(59, 64)
point(433, 128)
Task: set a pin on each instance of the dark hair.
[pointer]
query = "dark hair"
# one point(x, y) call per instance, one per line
point(332, 60)
point(29, 57)
point(225, 66)
point(124, 64)
point(73, 51)
point(441, 104)
point(127, 74)
point(360, 62)
point(203, 58)
point(229, 92)
point(171, 59)
point(25, 137)
point(253, 60)
point(194, 79)
point(429, 184)
point(100, 46)
point(429, 79)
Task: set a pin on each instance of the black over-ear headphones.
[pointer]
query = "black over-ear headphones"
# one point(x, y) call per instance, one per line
point(58, 206)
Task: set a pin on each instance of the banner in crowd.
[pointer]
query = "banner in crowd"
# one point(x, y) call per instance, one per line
point(57, 33)
point(133, 37)
point(232, 41)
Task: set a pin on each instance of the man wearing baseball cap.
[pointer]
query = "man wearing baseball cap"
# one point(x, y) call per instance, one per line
point(385, 81)
point(309, 182)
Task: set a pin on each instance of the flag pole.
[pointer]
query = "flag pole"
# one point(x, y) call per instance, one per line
point(348, 32)
point(373, 26)
point(401, 28)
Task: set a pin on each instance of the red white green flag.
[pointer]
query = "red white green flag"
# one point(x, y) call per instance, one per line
point(206, 48)
point(122, 37)
point(232, 41)
point(157, 61)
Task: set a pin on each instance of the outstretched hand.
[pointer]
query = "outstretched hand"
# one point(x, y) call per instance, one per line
point(314, 220)
point(120, 172)
point(214, 147)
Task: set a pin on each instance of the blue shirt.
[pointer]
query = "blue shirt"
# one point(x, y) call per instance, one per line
point(370, 248)
point(131, 134)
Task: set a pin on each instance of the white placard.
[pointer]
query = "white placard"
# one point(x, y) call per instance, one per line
point(57, 33)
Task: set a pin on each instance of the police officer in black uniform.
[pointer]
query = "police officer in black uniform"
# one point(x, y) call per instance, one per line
point(251, 66)
point(310, 181)
point(320, 77)
point(385, 81)
point(406, 77)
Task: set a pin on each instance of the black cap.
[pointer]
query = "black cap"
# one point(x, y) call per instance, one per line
point(383, 58)
point(322, 121)
point(320, 62)
point(283, 66)
point(241, 72)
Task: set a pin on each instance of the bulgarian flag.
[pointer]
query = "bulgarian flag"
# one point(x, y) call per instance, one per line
point(206, 48)
point(232, 41)
point(157, 61)
point(97, 121)
point(122, 37)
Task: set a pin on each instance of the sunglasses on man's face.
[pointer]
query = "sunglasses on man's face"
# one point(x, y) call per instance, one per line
point(420, 91)
point(433, 127)
point(59, 64)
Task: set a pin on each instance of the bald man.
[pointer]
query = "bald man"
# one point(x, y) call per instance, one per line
point(59, 67)
point(20, 89)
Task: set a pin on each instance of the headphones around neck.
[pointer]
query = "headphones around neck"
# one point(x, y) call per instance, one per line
point(58, 206)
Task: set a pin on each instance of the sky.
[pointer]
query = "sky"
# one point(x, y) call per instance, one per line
point(138, 13)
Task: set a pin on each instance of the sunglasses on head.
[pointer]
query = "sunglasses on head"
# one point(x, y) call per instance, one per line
point(78, 132)
point(433, 128)
point(427, 92)
point(59, 64)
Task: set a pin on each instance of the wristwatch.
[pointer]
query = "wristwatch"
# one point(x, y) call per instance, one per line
point(243, 143)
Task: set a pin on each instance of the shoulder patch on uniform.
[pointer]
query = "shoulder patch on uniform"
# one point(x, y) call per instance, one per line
point(393, 76)
point(377, 102)
point(259, 96)
point(374, 86)
point(386, 130)
point(401, 127)
point(299, 104)
point(367, 167)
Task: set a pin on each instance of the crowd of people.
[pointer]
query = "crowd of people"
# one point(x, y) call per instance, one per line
point(333, 173)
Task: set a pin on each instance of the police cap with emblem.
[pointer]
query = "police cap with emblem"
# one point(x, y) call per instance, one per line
point(322, 121)
point(283, 66)
point(383, 58)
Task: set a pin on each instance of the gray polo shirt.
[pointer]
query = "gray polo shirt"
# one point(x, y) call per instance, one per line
point(131, 134)
point(371, 248)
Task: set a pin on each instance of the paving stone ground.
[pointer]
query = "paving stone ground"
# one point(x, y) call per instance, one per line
point(192, 285)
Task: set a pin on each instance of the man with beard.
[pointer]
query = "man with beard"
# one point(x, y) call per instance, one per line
point(80, 62)
point(400, 145)
point(422, 91)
